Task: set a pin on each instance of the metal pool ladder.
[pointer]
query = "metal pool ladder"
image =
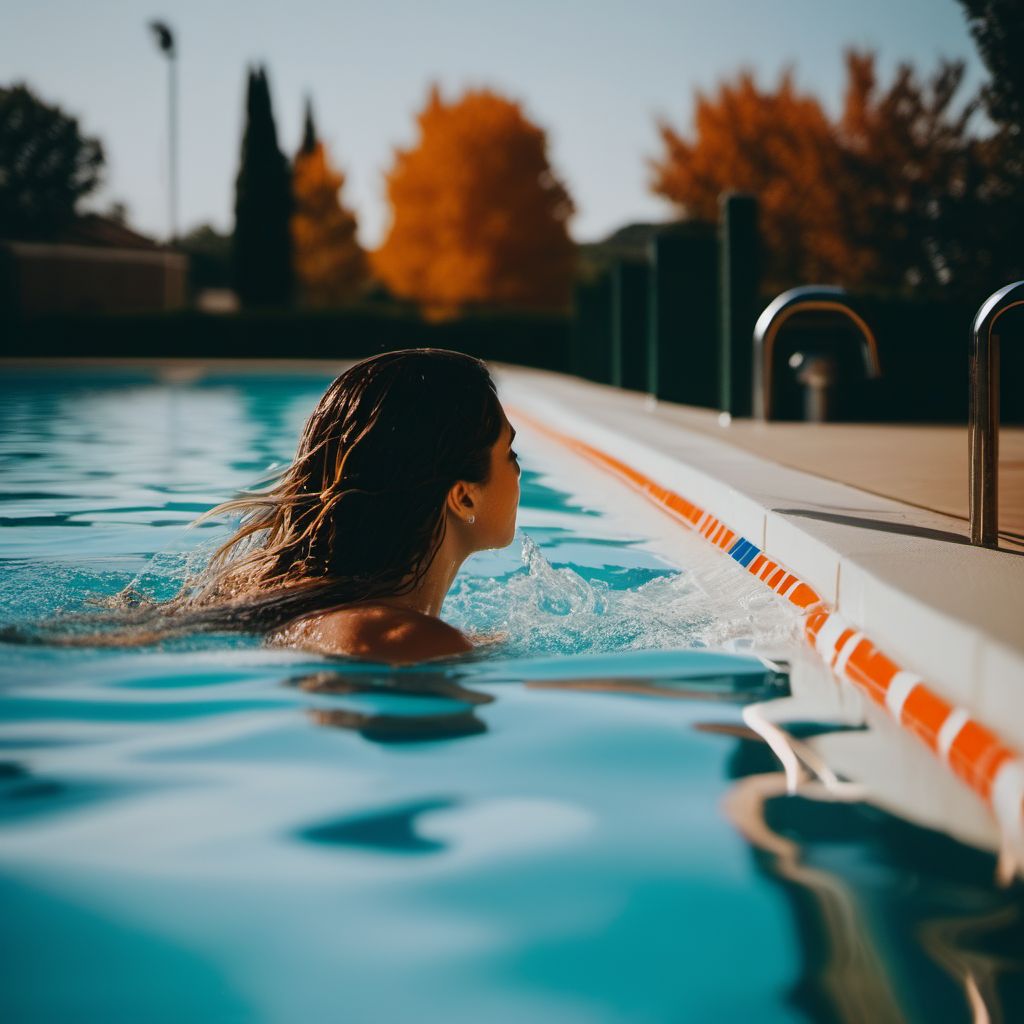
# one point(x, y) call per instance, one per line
point(983, 429)
point(814, 298)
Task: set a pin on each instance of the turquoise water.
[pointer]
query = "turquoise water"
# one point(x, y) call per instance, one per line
point(546, 831)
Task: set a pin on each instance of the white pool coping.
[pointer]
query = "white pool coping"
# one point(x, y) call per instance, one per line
point(950, 612)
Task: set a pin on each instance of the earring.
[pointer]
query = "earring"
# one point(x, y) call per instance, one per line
point(472, 519)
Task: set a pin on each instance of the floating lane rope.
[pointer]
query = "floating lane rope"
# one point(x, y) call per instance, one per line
point(992, 769)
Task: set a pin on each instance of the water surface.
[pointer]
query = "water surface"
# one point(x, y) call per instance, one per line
point(545, 831)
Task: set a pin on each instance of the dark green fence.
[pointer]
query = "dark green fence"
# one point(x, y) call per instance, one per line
point(527, 340)
point(692, 340)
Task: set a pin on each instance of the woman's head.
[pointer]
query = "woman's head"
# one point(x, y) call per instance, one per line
point(402, 448)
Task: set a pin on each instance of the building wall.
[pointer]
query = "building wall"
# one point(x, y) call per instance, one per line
point(43, 278)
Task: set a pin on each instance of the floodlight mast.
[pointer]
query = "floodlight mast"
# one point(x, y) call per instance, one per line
point(164, 36)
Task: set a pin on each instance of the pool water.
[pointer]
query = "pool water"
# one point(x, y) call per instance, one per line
point(551, 829)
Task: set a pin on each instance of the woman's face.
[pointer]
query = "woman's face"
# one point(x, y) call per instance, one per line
point(498, 499)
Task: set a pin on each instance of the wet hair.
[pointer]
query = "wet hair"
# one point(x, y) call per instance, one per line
point(359, 513)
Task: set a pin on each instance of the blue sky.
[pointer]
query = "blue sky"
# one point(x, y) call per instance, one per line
point(593, 74)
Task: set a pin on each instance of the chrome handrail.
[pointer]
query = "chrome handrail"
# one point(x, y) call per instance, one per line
point(806, 299)
point(983, 421)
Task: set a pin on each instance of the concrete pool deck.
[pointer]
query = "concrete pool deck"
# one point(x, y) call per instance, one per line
point(918, 464)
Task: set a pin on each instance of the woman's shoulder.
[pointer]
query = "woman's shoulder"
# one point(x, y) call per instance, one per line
point(376, 633)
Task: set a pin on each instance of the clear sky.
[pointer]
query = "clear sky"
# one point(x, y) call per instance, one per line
point(593, 73)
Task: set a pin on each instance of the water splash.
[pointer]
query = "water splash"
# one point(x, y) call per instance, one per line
point(547, 609)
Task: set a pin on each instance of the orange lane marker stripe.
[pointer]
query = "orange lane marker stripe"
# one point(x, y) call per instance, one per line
point(991, 768)
point(803, 596)
point(923, 713)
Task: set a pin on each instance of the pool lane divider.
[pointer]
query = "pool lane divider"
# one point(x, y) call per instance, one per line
point(992, 769)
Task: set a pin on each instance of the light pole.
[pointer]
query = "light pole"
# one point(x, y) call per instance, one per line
point(165, 40)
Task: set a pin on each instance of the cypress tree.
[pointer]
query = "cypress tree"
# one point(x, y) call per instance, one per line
point(261, 245)
point(309, 131)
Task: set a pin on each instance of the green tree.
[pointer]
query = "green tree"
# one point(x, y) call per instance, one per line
point(46, 165)
point(998, 30)
point(209, 257)
point(261, 245)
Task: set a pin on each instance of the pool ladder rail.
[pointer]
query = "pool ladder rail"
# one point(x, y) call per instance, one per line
point(983, 419)
point(812, 298)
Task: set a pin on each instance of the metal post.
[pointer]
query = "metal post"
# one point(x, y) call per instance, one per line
point(172, 68)
point(165, 41)
point(738, 287)
point(983, 422)
point(592, 329)
point(683, 311)
point(814, 298)
point(629, 325)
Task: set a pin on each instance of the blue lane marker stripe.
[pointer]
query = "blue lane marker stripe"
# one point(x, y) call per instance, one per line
point(744, 552)
point(739, 549)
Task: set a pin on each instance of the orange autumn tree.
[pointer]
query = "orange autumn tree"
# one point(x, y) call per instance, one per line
point(330, 266)
point(893, 194)
point(477, 214)
point(776, 144)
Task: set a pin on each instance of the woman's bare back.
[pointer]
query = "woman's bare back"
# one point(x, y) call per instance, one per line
point(375, 632)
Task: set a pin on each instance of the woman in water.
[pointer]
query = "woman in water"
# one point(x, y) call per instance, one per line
point(404, 469)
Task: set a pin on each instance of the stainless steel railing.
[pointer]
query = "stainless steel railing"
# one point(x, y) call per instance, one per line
point(983, 421)
point(807, 299)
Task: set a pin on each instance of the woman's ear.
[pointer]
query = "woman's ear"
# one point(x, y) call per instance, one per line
point(461, 501)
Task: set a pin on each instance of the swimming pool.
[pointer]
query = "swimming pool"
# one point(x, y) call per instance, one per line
point(573, 825)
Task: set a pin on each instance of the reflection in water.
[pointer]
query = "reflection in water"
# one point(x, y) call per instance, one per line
point(841, 967)
point(423, 684)
point(402, 728)
point(895, 922)
point(980, 973)
point(718, 688)
point(383, 727)
point(459, 721)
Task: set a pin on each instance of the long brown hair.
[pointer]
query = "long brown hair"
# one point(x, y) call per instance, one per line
point(359, 512)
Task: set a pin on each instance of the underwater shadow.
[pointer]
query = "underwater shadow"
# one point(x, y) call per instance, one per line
point(392, 831)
